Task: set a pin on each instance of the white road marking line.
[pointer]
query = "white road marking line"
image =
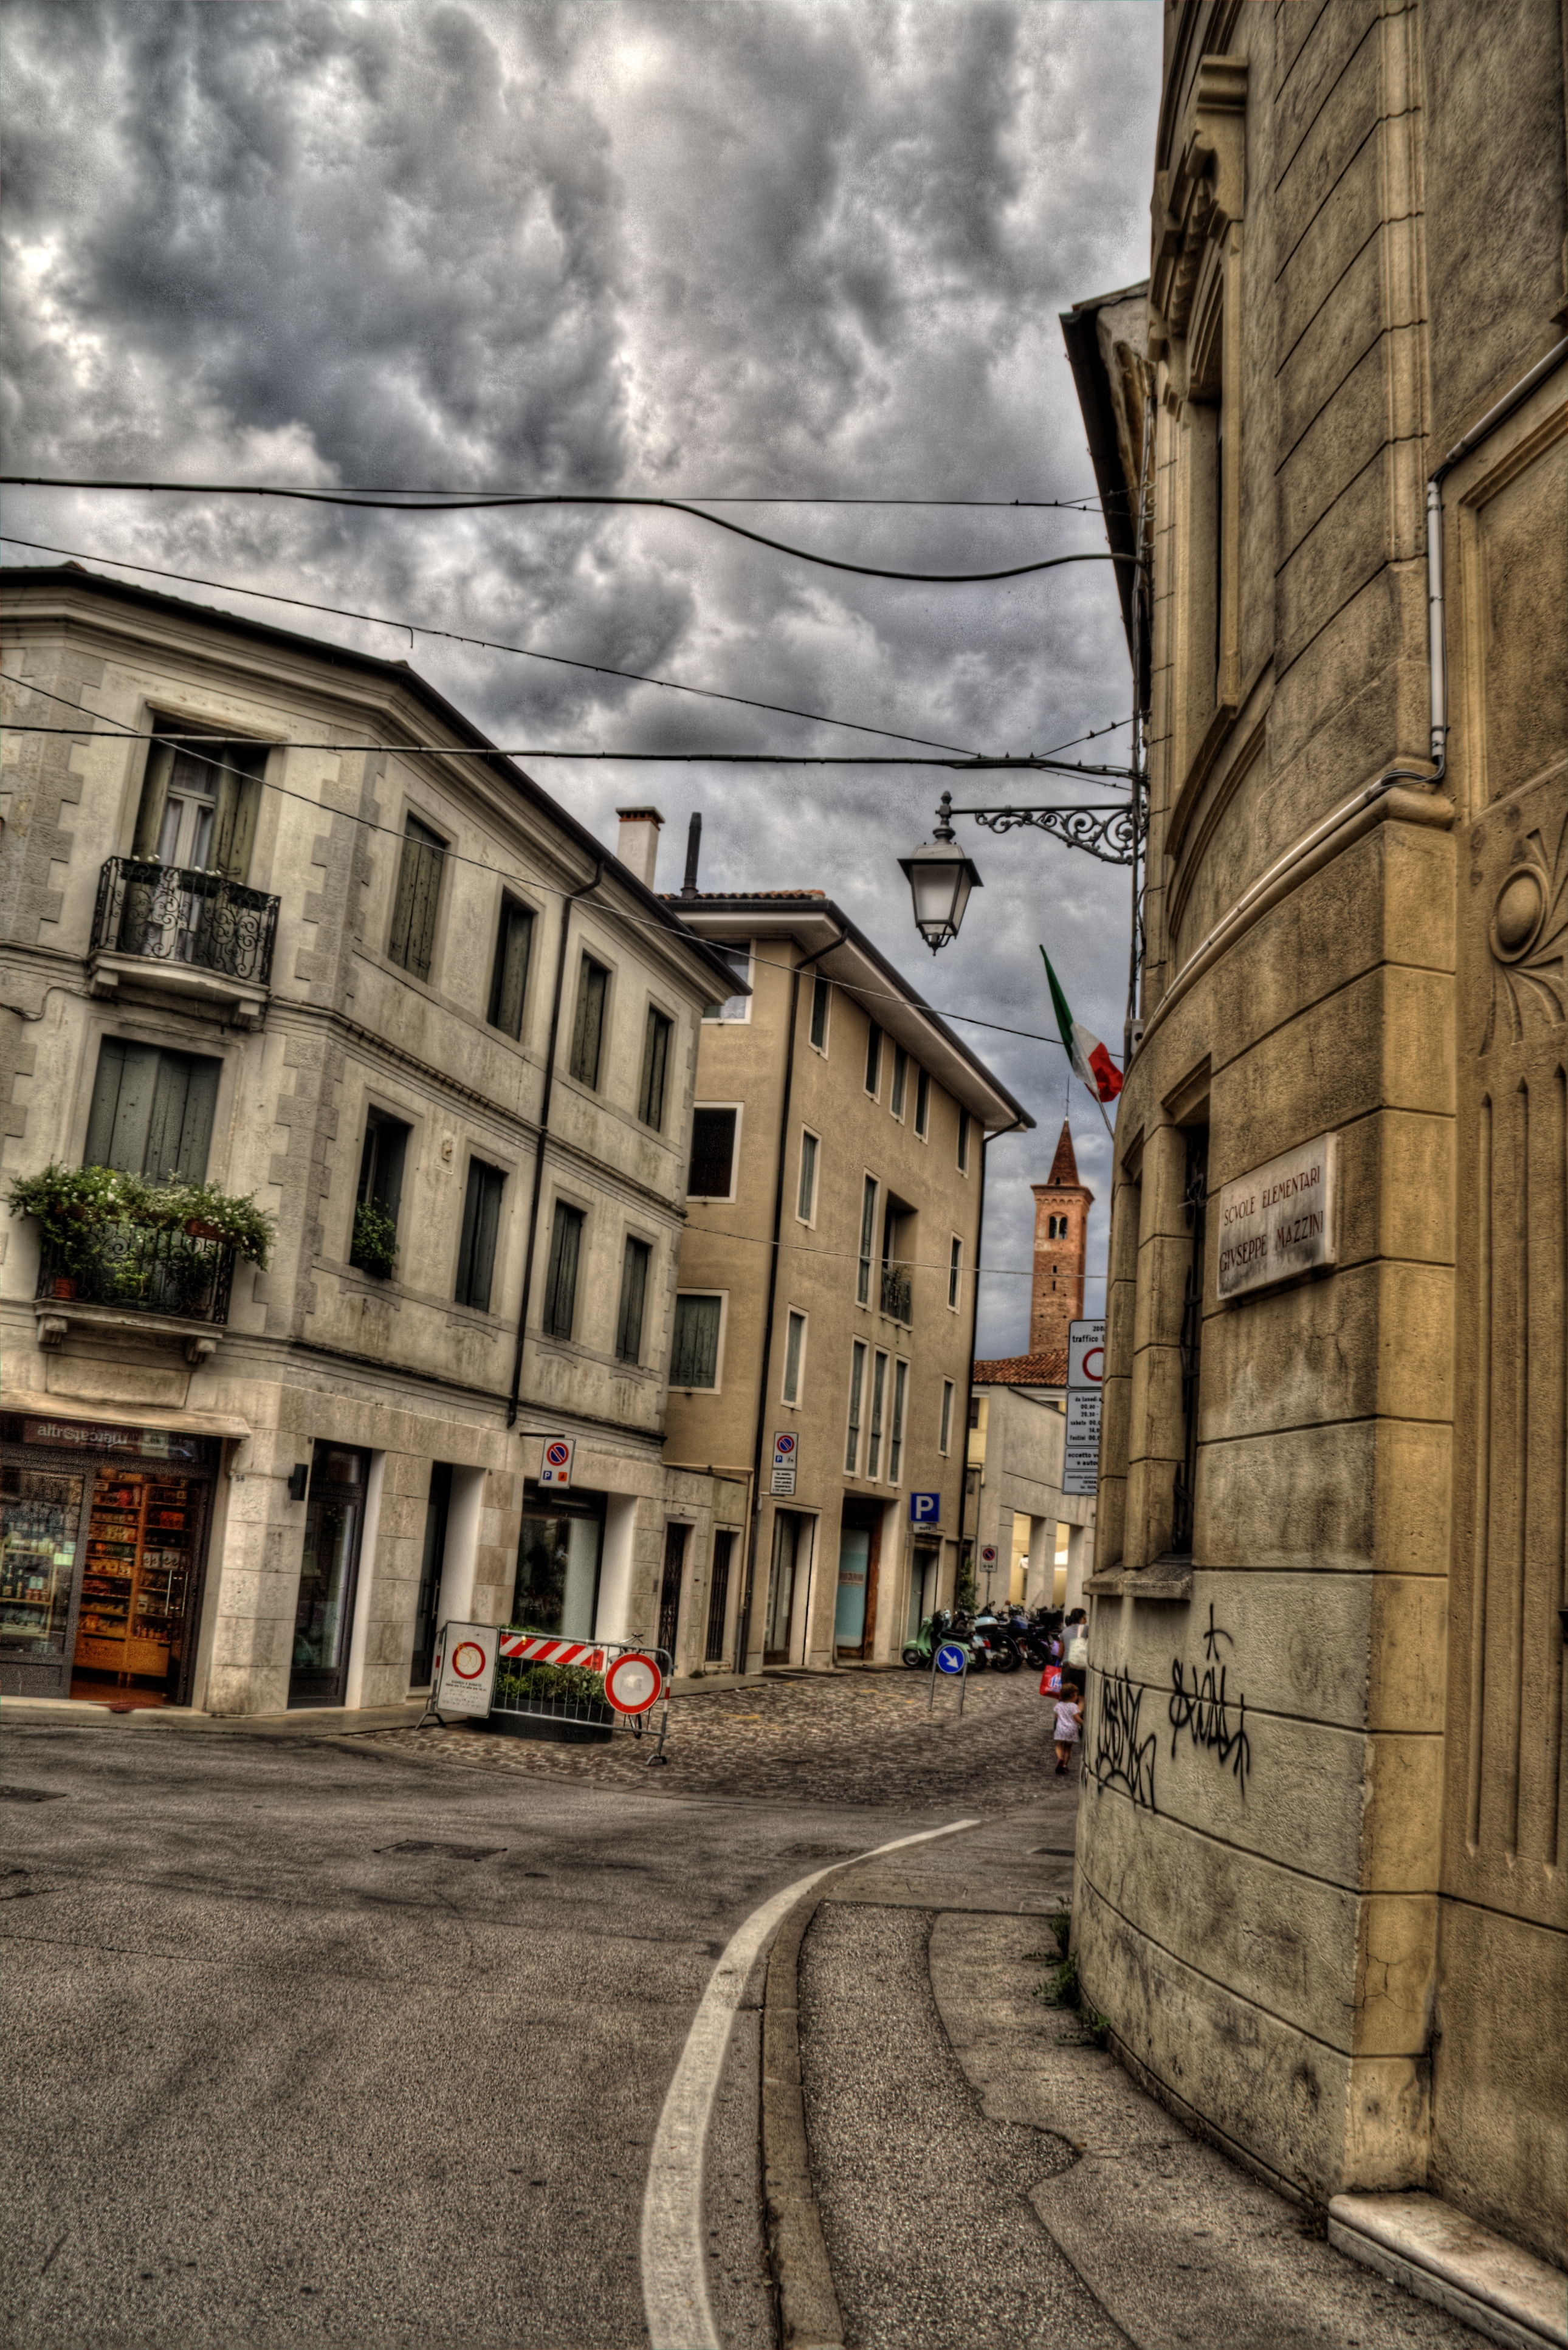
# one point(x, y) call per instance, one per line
point(674, 2272)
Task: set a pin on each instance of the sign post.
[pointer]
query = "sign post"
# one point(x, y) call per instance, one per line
point(1085, 1373)
point(950, 1658)
point(786, 1447)
point(462, 1679)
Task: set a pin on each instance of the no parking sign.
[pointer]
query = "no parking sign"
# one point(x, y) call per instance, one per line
point(556, 1466)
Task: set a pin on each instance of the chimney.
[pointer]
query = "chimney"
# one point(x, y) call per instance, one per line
point(1061, 1242)
point(637, 842)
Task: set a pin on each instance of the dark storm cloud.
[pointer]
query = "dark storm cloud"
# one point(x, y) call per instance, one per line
point(780, 247)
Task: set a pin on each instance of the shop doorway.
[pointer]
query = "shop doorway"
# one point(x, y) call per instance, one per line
point(559, 1549)
point(724, 1540)
point(437, 1511)
point(791, 1559)
point(924, 1569)
point(102, 1541)
point(329, 1576)
point(859, 1551)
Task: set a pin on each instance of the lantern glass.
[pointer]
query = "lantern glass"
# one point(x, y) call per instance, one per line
point(940, 878)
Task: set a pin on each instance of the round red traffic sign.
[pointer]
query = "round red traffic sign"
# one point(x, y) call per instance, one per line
point(468, 1660)
point(631, 1682)
point(557, 1454)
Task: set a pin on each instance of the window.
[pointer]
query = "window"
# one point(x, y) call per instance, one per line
point(856, 1385)
point(794, 1351)
point(1195, 1205)
point(694, 1357)
point(873, 1441)
point(900, 1078)
point(868, 1238)
point(381, 1191)
point(821, 996)
point(200, 803)
point(718, 1594)
point(561, 1280)
point(945, 1437)
point(805, 1205)
point(509, 980)
point(955, 1271)
point(923, 1104)
point(480, 1223)
point(974, 1404)
point(739, 1005)
point(152, 1112)
point(964, 1142)
point(712, 1172)
point(874, 1061)
point(654, 1068)
point(633, 1298)
point(418, 899)
point(896, 1432)
point(589, 1027)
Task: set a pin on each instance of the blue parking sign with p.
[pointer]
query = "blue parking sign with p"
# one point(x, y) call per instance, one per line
point(925, 1509)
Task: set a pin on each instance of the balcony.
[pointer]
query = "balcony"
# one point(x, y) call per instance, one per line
point(898, 1293)
point(138, 1277)
point(188, 931)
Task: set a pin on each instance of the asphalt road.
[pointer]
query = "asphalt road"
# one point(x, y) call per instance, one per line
point(321, 2043)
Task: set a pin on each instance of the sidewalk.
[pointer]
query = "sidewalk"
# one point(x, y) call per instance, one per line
point(951, 2163)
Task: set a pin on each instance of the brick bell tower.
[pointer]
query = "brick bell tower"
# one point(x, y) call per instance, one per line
point(1061, 1240)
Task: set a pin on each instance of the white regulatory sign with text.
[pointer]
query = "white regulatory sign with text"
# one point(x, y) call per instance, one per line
point(1086, 1354)
point(786, 1451)
point(464, 1669)
point(1279, 1218)
point(1081, 1461)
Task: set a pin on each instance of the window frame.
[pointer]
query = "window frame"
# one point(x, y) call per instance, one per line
point(714, 1015)
point(898, 1420)
point(873, 1433)
point(510, 905)
point(676, 1388)
point(870, 1194)
point(898, 1090)
point(439, 842)
point(720, 1199)
point(373, 1118)
point(549, 1327)
point(808, 1216)
point(468, 1234)
point(922, 1103)
point(874, 1040)
point(854, 1420)
point(630, 1242)
point(945, 1421)
point(657, 1016)
point(589, 962)
point(790, 1395)
point(963, 1150)
point(820, 994)
point(955, 1272)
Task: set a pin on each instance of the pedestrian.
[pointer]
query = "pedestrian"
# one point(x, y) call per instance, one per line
point(1069, 1725)
point(1075, 1638)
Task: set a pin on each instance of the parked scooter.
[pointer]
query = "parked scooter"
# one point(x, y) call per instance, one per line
point(1004, 1650)
point(945, 1625)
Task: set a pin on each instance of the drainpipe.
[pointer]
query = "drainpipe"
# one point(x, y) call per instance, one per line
point(570, 900)
point(743, 1635)
point(986, 1141)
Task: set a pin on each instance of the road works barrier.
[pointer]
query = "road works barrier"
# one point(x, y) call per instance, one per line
point(631, 1698)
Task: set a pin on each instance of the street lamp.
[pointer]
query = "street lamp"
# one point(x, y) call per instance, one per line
point(940, 878)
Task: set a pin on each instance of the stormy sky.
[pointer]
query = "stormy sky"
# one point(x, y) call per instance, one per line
point(795, 249)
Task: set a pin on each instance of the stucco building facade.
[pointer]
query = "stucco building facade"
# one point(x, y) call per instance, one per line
point(277, 917)
point(1323, 1898)
point(824, 1323)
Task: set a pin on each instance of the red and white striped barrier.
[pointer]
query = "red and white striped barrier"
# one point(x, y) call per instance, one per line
point(542, 1650)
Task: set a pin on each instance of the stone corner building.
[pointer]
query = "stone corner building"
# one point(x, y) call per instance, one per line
point(276, 917)
point(1323, 1855)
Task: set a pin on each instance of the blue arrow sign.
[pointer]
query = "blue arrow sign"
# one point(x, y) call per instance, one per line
point(951, 1658)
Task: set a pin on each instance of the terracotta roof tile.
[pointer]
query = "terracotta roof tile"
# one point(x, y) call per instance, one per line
point(1046, 1370)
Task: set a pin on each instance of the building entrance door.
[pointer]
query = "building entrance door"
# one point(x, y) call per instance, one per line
point(328, 1572)
point(859, 1547)
point(426, 1605)
point(789, 1557)
point(670, 1589)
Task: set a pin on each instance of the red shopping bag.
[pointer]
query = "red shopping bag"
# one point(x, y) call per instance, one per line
point(1051, 1680)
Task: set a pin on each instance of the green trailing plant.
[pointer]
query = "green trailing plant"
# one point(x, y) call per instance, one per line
point(527, 1684)
point(375, 1248)
point(72, 1204)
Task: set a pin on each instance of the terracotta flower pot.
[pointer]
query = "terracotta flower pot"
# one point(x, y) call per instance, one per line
point(63, 1285)
point(198, 1230)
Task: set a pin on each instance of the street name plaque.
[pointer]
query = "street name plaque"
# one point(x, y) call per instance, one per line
point(1279, 1218)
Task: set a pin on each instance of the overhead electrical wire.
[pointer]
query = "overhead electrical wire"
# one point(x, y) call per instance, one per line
point(485, 644)
point(222, 766)
point(494, 504)
point(529, 652)
point(1090, 502)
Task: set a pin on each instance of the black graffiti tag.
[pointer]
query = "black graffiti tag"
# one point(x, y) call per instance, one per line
point(1203, 1709)
point(1121, 1757)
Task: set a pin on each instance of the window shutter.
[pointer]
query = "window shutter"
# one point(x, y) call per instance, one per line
point(239, 805)
point(587, 1027)
point(513, 948)
point(633, 1295)
point(465, 1241)
point(561, 1288)
point(655, 1061)
point(149, 815)
point(105, 1103)
point(694, 1358)
point(712, 1154)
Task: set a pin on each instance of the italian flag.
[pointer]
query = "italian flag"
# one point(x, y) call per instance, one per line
point(1089, 1058)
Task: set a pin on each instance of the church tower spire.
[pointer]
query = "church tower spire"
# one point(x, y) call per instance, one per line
point(1061, 1242)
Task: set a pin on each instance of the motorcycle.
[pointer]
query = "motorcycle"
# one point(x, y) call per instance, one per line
point(1004, 1650)
point(944, 1625)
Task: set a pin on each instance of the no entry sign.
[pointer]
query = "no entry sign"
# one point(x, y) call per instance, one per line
point(631, 1683)
point(464, 1674)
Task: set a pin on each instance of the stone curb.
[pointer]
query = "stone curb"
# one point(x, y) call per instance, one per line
point(809, 2316)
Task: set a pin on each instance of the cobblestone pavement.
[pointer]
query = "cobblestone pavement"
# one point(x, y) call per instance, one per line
point(841, 1738)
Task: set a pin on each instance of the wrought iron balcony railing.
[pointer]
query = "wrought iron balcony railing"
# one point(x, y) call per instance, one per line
point(141, 1268)
point(180, 914)
point(898, 1293)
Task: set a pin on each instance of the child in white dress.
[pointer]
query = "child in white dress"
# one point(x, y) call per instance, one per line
point(1069, 1722)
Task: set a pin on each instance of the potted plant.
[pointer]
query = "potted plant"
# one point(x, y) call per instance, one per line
point(564, 1702)
point(206, 1213)
point(375, 1243)
point(71, 1206)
